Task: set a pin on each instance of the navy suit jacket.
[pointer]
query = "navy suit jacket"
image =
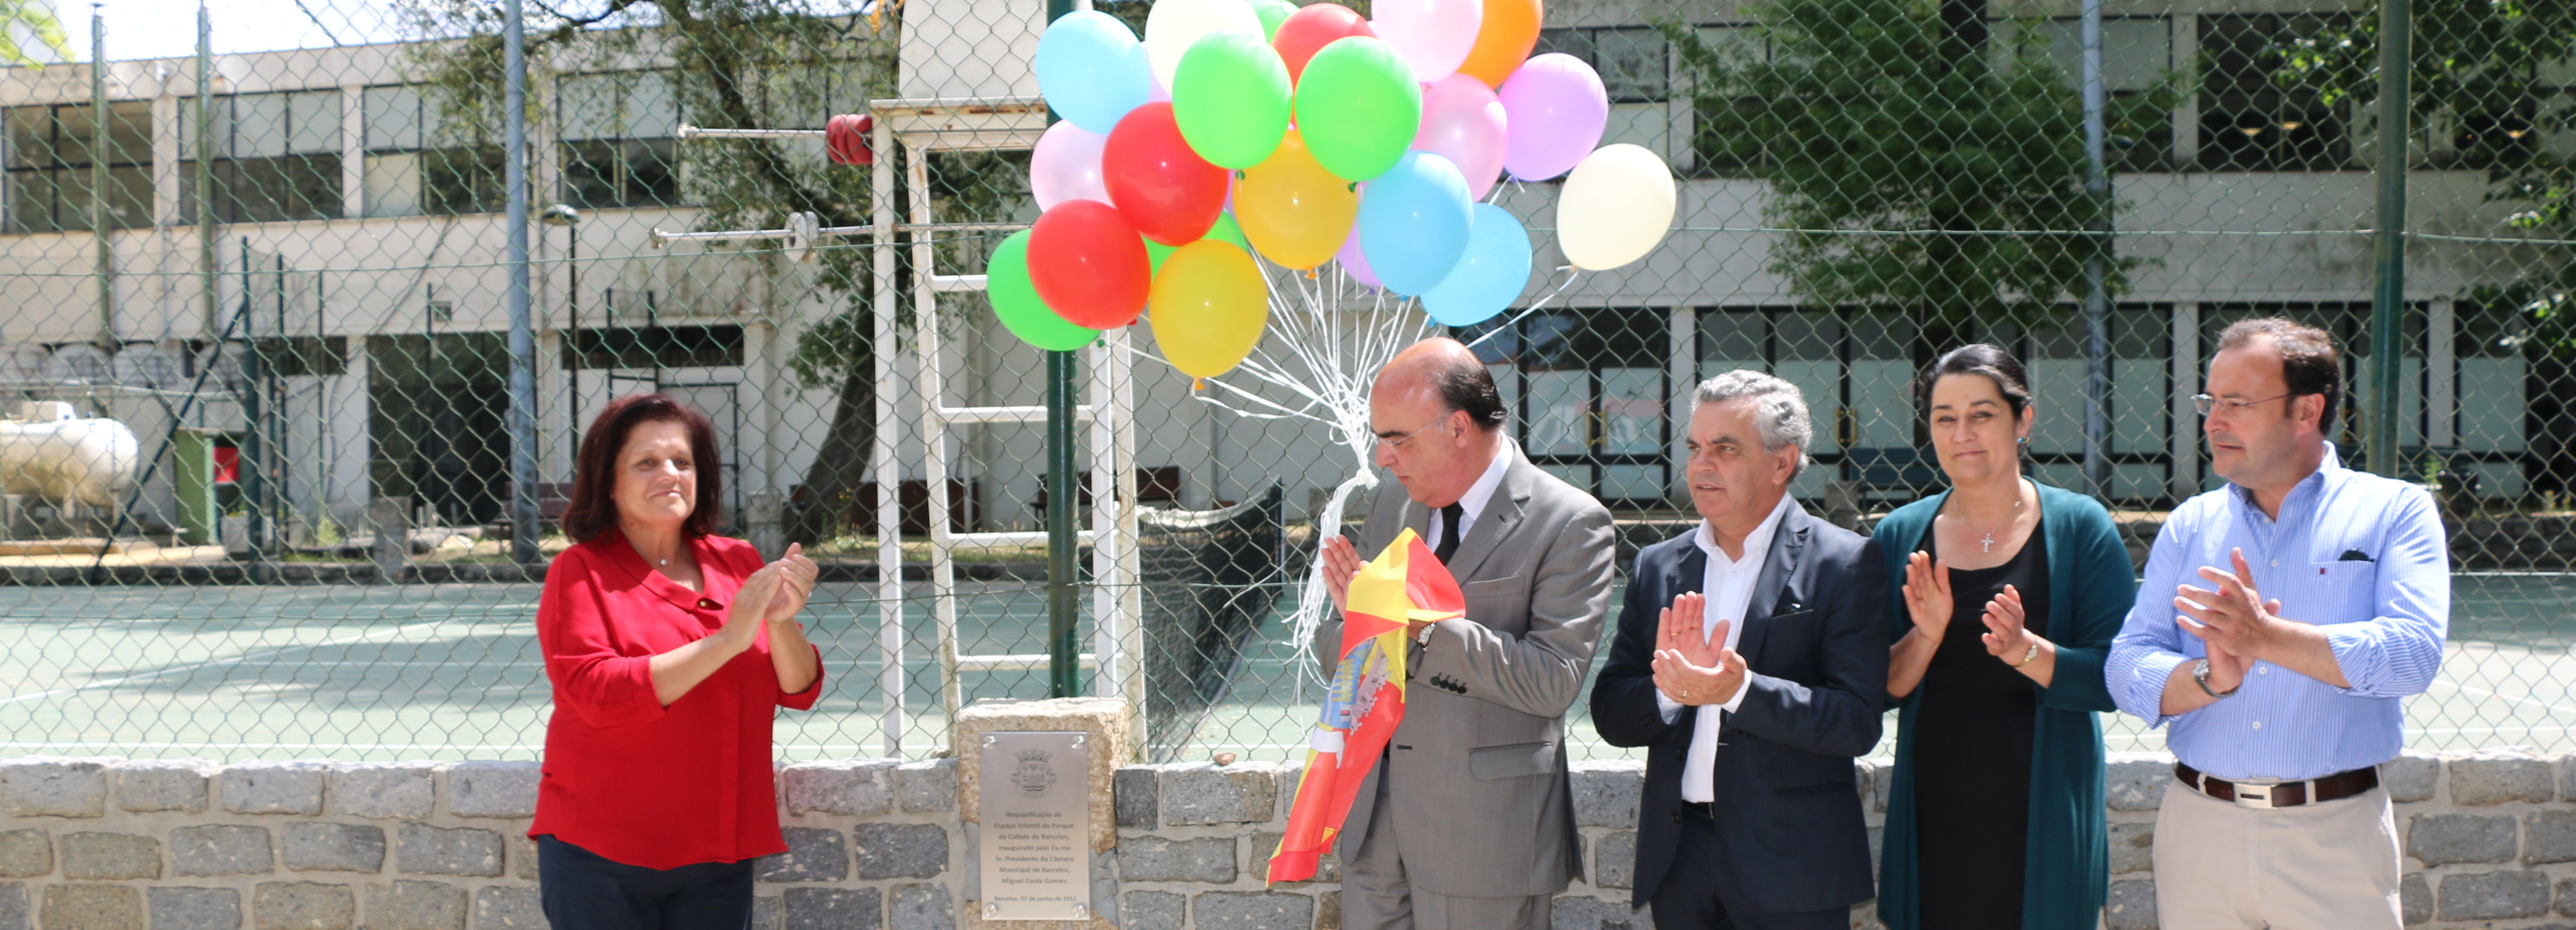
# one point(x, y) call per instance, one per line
point(1788, 808)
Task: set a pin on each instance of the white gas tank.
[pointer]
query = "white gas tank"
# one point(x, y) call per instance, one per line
point(49, 453)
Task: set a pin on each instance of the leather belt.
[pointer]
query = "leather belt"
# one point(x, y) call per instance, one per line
point(2333, 787)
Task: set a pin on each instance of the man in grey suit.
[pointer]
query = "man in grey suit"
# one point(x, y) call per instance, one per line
point(1468, 821)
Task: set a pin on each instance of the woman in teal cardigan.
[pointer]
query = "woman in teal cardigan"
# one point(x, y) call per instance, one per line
point(2012, 591)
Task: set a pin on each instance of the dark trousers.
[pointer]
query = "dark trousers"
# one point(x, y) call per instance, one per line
point(582, 890)
point(1696, 895)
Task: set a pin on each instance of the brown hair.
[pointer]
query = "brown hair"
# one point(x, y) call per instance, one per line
point(2308, 361)
point(593, 509)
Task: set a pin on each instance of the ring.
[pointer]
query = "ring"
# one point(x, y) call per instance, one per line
point(1685, 693)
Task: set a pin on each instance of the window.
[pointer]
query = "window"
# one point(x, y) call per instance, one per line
point(2136, 54)
point(655, 347)
point(618, 145)
point(2248, 122)
point(1588, 390)
point(49, 166)
point(415, 167)
point(276, 157)
point(1634, 68)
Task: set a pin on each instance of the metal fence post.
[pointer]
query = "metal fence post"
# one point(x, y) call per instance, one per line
point(98, 193)
point(523, 341)
point(1064, 662)
point(2097, 295)
point(2388, 293)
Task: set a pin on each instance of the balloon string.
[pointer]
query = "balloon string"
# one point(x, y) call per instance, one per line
point(1571, 274)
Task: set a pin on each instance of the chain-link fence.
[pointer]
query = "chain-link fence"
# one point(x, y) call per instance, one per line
point(259, 483)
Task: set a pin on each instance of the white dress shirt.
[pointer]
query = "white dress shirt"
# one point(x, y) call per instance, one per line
point(1728, 583)
point(1470, 506)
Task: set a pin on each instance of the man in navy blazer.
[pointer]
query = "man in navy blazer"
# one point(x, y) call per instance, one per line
point(1751, 660)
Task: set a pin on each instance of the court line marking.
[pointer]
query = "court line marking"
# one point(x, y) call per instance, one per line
point(271, 654)
point(2544, 705)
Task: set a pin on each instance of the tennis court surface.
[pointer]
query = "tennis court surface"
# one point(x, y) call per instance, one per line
point(452, 671)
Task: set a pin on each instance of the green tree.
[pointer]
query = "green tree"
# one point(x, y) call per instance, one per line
point(2480, 73)
point(29, 24)
point(751, 64)
point(1921, 171)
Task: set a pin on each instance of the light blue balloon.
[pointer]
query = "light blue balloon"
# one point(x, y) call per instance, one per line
point(1494, 270)
point(1414, 221)
point(1092, 70)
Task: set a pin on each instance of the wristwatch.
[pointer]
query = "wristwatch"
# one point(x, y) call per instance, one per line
point(2200, 676)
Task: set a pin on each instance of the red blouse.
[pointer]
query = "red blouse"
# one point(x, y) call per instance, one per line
point(624, 776)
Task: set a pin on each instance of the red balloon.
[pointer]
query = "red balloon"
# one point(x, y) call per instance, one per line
point(1088, 265)
point(1161, 185)
point(1308, 30)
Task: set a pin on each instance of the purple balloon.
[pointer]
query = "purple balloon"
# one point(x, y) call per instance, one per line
point(1556, 109)
point(1462, 122)
point(1354, 262)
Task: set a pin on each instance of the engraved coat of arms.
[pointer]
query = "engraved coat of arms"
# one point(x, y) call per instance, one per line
point(1036, 772)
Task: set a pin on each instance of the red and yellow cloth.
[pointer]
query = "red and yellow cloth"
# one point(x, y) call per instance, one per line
point(1404, 583)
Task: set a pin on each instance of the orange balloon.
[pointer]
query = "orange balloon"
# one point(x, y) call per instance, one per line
point(1295, 212)
point(1504, 41)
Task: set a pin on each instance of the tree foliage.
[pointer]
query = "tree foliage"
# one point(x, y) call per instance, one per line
point(31, 23)
point(747, 64)
point(1919, 172)
point(2483, 76)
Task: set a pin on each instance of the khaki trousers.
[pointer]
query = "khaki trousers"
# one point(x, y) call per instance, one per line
point(2328, 866)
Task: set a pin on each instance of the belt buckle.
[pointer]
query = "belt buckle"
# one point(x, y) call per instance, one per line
point(2247, 797)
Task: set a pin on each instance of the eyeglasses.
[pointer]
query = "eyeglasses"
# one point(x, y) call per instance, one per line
point(2205, 403)
point(1397, 442)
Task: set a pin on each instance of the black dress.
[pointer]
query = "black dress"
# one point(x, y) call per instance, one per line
point(1972, 745)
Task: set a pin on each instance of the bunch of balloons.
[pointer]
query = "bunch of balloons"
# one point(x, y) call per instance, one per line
point(1306, 135)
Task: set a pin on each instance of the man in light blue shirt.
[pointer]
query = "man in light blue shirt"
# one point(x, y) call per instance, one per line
point(2281, 621)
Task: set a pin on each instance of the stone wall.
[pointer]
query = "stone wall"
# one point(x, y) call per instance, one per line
point(2490, 842)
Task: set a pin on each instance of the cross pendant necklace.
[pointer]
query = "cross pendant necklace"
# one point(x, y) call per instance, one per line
point(1986, 541)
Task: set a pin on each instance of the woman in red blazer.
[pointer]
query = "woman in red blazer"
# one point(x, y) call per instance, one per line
point(670, 650)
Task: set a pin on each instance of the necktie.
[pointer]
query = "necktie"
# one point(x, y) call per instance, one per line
point(1450, 517)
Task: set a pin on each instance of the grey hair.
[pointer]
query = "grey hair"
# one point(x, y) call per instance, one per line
point(1779, 410)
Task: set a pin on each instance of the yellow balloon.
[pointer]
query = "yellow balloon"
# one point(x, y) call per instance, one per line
point(1208, 307)
point(1294, 211)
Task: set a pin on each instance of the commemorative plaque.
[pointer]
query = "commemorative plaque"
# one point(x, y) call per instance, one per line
point(1036, 794)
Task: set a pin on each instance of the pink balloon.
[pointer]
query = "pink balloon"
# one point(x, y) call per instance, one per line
point(1434, 36)
point(1354, 262)
point(1066, 166)
point(1461, 121)
point(1557, 109)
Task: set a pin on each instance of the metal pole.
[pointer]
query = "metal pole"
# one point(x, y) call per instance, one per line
point(572, 334)
point(1064, 604)
point(206, 261)
point(523, 339)
point(2387, 299)
point(254, 401)
point(98, 218)
point(2097, 294)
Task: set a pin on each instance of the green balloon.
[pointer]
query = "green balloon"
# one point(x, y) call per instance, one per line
point(1225, 230)
point(1016, 301)
point(1358, 107)
point(1272, 13)
point(1230, 97)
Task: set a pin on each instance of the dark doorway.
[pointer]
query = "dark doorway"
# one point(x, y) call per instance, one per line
point(437, 408)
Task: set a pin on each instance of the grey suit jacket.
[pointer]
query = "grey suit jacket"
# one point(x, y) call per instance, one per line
point(1482, 804)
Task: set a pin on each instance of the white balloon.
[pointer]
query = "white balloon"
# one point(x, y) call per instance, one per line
point(1434, 36)
point(1615, 208)
point(1175, 24)
point(1066, 166)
